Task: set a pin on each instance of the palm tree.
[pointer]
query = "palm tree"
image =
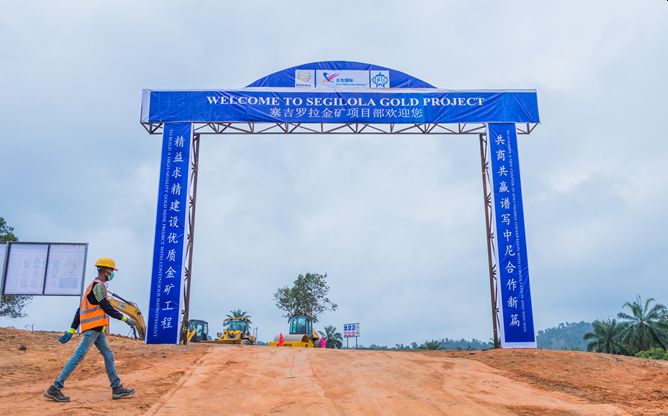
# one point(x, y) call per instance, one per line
point(646, 327)
point(333, 338)
point(237, 314)
point(605, 337)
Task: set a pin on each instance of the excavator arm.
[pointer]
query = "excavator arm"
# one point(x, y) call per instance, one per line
point(132, 310)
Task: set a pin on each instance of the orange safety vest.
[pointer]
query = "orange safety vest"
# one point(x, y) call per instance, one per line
point(91, 316)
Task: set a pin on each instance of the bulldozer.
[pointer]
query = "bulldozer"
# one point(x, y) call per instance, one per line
point(302, 334)
point(132, 310)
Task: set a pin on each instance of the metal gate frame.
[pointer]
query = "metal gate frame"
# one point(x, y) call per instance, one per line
point(479, 129)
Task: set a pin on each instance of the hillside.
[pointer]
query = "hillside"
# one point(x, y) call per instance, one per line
point(204, 379)
point(565, 336)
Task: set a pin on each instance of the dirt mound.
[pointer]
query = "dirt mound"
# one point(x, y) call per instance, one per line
point(205, 379)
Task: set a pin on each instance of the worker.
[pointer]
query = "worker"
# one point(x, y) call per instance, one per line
point(93, 315)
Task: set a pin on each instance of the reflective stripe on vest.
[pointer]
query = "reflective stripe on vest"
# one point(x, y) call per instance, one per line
point(91, 316)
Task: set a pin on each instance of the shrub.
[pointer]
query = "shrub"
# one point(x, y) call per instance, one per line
point(654, 353)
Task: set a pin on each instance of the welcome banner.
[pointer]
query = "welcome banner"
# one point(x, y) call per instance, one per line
point(291, 105)
point(170, 236)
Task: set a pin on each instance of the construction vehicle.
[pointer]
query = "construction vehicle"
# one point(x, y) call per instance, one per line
point(302, 334)
point(132, 310)
point(237, 331)
point(198, 331)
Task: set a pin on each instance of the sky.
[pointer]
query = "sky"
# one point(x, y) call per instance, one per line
point(396, 222)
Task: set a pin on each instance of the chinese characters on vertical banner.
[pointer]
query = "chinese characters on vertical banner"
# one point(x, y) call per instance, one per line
point(170, 235)
point(517, 329)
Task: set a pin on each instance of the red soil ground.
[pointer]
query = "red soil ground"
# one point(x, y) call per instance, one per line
point(254, 380)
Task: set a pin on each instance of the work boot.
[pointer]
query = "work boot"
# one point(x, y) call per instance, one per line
point(55, 394)
point(120, 391)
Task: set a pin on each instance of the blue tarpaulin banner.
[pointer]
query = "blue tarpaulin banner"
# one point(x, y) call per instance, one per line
point(167, 275)
point(517, 329)
point(294, 105)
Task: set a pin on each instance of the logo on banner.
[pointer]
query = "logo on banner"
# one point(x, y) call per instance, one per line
point(345, 79)
point(380, 79)
point(304, 78)
point(329, 77)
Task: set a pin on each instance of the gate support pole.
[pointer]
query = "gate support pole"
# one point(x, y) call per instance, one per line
point(487, 198)
point(192, 206)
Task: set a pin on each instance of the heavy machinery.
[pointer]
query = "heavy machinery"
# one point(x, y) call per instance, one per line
point(198, 331)
point(302, 334)
point(132, 310)
point(237, 331)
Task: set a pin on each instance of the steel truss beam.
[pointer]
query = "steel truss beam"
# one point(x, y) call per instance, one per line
point(190, 234)
point(338, 128)
point(488, 200)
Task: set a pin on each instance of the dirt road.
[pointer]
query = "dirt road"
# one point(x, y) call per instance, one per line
point(327, 382)
point(231, 380)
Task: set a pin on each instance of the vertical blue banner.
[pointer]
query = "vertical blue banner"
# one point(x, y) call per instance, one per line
point(170, 235)
point(517, 329)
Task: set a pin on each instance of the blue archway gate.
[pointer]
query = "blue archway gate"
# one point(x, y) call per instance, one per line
point(341, 98)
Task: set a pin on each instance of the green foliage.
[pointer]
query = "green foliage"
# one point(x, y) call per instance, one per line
point(373, 347)
point(565, 336)
point(237, 314)
point(442, 344)
point(11, 306)
point(646, 326)
point(643, 330)
point(6, 232)
point(463, 344)
point(333, 338)
point(606, 337)
point(307, 296)
point(431, 345)
point(654, 353)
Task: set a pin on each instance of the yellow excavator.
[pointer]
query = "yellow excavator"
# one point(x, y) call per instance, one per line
point(132, 310)
point(302, 334)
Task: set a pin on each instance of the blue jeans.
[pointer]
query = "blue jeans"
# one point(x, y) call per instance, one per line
point(88, 338)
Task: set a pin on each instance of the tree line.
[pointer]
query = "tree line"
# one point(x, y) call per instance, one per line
point(640, 329)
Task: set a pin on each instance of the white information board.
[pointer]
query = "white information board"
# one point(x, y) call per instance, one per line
point(44, 269)
point(65, 270)
point(26, 266)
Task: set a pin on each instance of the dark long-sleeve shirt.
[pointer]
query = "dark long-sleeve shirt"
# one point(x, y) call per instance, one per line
point(104, 304)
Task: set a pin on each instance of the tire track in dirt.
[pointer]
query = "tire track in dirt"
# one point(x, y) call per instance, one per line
point(161, 402)
point(262, 380)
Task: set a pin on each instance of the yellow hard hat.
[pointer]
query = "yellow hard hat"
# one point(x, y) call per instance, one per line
point(107, 262)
